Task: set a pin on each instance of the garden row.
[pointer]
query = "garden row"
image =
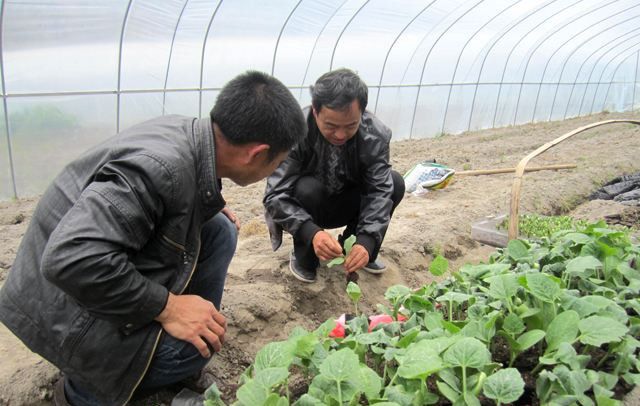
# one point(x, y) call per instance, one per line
point(555, 321)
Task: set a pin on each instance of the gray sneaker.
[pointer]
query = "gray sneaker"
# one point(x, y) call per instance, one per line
point(300, 273)
point(375, 267)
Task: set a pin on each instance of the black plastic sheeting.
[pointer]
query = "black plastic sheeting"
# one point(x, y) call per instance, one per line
point(624, 189)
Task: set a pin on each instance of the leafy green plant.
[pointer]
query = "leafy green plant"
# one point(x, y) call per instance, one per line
point(562, 311)
point(536, 226)
point(348, 244)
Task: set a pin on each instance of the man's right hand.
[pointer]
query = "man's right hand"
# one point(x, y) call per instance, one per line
point(325, 246)
point(193, 319)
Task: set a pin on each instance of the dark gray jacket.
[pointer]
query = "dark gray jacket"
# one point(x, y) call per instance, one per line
point(367, 168)
point(115, 232)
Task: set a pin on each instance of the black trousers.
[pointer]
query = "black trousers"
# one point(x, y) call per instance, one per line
point(334, 211)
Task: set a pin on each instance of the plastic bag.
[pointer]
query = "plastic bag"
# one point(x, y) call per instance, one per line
point(427, 175)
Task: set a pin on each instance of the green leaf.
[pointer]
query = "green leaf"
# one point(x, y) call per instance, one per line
point(468, 352)
point(513, 325)
point(275, 354)
point(396, 293)
point(304, 345)
point(271, 377)
point(340, 365)
point(529, 339)
point(252, 393)
point(578, 238)
point(447, 391)
point(503, 286)
point(505, 386)
point(308, 400)
point(456, 297)
point(543, 287)
point(439, 266)
point(580, 265)
point(598, 330)
point(419, 361)
point(369, 382)
point(348, 244)
point(354, 292)
point(563, 328)
point(335, 261)
point(276, 400)
point(213, 396)
point(517, 249)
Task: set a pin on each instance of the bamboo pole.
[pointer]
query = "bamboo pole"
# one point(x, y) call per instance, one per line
point(517, 180)
point(511, 170)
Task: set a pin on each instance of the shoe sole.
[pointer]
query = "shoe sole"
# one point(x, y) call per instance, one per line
point(374, 271)
point(298, 277)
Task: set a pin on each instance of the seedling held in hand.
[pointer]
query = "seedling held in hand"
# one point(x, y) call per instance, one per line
point(348, 244)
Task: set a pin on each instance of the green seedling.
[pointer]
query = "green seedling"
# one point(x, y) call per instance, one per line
point(354, 292)
point(348, 244)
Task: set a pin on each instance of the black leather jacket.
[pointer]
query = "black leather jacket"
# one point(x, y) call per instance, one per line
point(115, 232)
point(367, 168)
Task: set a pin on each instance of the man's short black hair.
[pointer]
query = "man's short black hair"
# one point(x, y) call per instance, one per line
point(257, 107)
point(337, 89)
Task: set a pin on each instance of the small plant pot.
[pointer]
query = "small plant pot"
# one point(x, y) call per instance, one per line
point(486, 231)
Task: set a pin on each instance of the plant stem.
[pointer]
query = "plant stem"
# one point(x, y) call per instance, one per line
point(450, 310)
point(464, 380)
point(339, 392)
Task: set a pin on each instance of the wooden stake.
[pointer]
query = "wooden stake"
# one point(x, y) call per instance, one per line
point(517, 180)
point(512, 170)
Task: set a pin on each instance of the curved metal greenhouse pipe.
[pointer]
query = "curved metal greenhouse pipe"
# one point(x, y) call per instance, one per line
point(504, 69)
point(426, 59)
point(173, 39)
point(4, 105)
point(124, 26)
point(204, 47)
point(544, 72)
point(595, 94)
point(635, 81)
point(486, 55)
point(275, 51)
point(386, 57)
point(606, 95)
point(524, 74)
point(593, 69)
point(342, 32)
point(455, 69)
point(575, 81)
point(315, 43)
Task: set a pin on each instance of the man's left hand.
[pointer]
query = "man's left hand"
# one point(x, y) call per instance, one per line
point(231, 216)
point(357, 258)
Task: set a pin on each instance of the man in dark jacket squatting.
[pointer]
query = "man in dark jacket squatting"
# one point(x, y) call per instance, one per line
point(338, 176)
point(119, 277)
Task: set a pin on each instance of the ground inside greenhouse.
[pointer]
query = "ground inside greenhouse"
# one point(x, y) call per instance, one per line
point(263, 302)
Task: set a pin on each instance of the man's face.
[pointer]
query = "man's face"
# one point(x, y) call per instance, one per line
point(338, 126)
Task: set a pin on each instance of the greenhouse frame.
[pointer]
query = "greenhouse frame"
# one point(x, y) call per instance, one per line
point(74, 72)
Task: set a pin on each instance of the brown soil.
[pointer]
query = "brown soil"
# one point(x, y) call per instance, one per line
point(263, 302)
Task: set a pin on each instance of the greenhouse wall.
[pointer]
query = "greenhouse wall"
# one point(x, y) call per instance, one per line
point(75, 72)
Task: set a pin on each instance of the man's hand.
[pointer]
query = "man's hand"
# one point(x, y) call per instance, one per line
point(231, 216)
point(357, 258)
point(325, 246)
point(193, 319)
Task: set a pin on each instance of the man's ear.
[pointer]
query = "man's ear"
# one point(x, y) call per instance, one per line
point(255, 151)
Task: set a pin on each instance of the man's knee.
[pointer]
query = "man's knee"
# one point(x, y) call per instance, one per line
point(398, 188)
point(309, 191)
point(220, 232)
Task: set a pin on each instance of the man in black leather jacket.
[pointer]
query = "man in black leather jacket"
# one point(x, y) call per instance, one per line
point(340, 175)
point(119, 277)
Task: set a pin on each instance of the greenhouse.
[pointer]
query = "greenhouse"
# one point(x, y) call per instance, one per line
point(512, 277)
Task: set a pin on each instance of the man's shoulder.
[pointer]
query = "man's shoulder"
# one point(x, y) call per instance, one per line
point(373, 127)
